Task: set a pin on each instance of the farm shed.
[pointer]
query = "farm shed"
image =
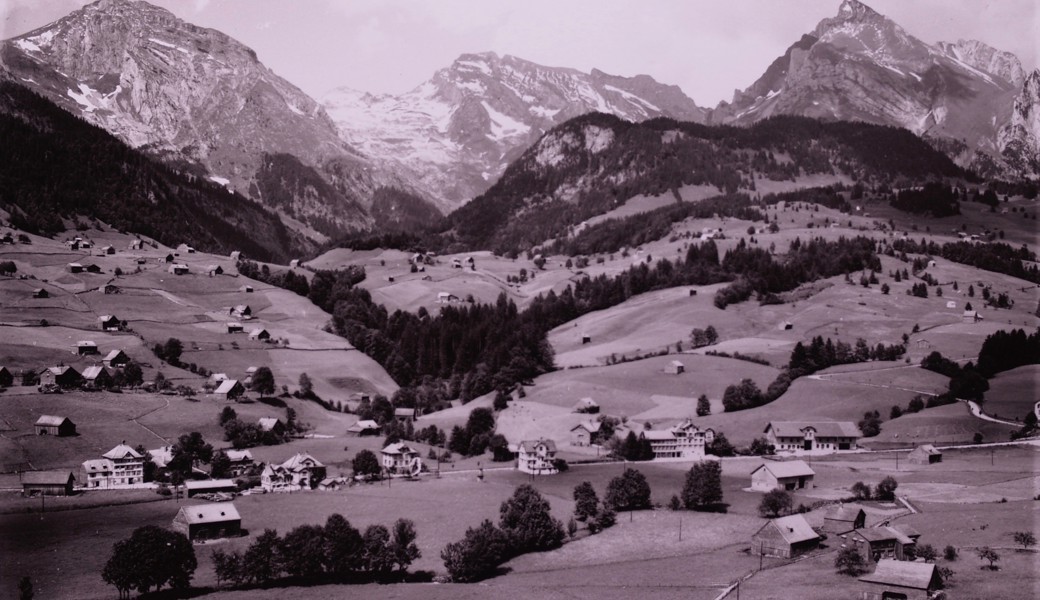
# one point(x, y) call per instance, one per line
point(210, 486)
point(235, 328)
point(586, 405)
point(55, 425)
point(208, 521)
point(971, 316)
point(876, 543)
point(260, 334)
point(925, 454)
point(896, 579)
point(50, 483)
point(272, 424)
point(229, 389)
point(98, 376)
point(843, 519)
point(85, 347)
point(675, 368)
point(365, 427)
point(109, 323)
point(788, 475)
point(785, 537)
point(116, 358)
point(62, 376)
point(41, 293)
point(584, 433)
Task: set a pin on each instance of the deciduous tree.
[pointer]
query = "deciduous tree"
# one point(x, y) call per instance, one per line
point(703, 486)
point(628, 491)
point(774, 503)
point(527, 520)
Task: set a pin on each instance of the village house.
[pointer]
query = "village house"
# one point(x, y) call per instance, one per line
point(876, 543)
point(685, 441)
point(789, 475)
point(536, 457)
point(786, 537)
point(229, 389)
point(235, 328)
point(109, 323)
point(812, 436)
point(98, 377)
point(675, 368)
point(41, 293)
point(241, 461)
point(208, 521)
point(900, 580)
point(120, 467)
point(116, 359)
point(161, 456)
point(401, 459)
point(404, 414)
point(585, 433)
point(241, 311)
point(971, 316)
point(84, 347)
point(302, 471)
point(586, 405)
point(364, 427)
point(210, 486)
point(178, 269)
point(272, 424)
point(446, 298)
point(74, 267)
point(213, 270)
point(6, 378)
point(108, 250)
point(62, 376)
point(91, 268)
point(925, 454)
point(49, 483)
point(260, 334)
point(331, 484)
point(841, 519)
point(55, 425)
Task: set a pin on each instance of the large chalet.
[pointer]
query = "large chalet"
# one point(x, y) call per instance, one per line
point(684, 441)
point(813, 436)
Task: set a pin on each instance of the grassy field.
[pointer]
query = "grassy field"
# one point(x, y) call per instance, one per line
point(1013, 393)
point(950, 424)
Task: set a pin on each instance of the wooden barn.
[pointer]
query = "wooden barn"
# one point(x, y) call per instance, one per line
point(55, 425)
point(786, 537)
point(210, 486)
point(675, 368)
point(50, 483)
point(900, 580)
point(843, 519)
point(229, 389)
point(116, 359)
point(63, 376)
point(208, 521)
point(925, 454)
point(789, 475)
point(84, 347)
point(98, 377)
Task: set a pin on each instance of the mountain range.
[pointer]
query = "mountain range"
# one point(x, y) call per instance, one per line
point(203, 103)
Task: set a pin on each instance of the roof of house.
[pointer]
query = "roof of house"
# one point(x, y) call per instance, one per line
point(398, 448)
point(363, 425)
point(226, 386)
point(823, 428)
point(97, 464)
point(907, 530)
point(532, 445)
point(86, 344)
point(106, 318)
point(658, 434)
point(208, 484)
point(844, 513)
point(794, 529)
point(788, 468)
point(93, 371)
point(61, 370)
point(51, 420)
point(258, 332)
point(47, 477)
point(882, 534)
point(676, 363)
point(590, 426)
point(209, 513)
point(239, 455)
point(161, 456)
point(269, 423)
point(902, 573)
point(232, 324)
point(112, 355)
point(300, 460)
point(928, 449)
point(404, 412)
point(122, 451)
point(586, 402)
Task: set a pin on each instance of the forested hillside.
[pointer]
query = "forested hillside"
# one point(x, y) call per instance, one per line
point(596, 162)
point(54, 165)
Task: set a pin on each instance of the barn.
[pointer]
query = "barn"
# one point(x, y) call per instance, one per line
point(675, 368)
point(6, 378)
point(49, 483)
point(902, 580)
point(55, 425)
point(843, 519)
point(925, 454)
point(229, 389)
point(787, 475)
point(62, 376)
point(786, 537)
point(208, 521)
point(210, 486)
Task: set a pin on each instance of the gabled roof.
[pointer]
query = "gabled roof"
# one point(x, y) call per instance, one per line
point(591, 427)
point(901, 573)
point(676, 363)
point(51, 420)
point(928, 449)
point(105, 318)
point(239, 455)
point(226, 386)
point(92, 372)
point(659, 434)
point(399, 448)
point(404, 412)
point(122, 451)
point(208, 484)
point(364, 425)
point(47, 477)
point(532, 445)
point(793, 528)
point(208, 513)
point(586, 402)
point(86, 344)
point(882, 534)
point(61, 370)
point(823, 428)
point(300, 461)
point(907, 530)
point(269, 423)
point(161, 456)
point(97, 464)
point(114, 354)
point(259, 331)
point(789, 468)
point(844, 513)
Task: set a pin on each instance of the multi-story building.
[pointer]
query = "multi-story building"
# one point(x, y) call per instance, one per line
point(685, 441)
point(120, 467)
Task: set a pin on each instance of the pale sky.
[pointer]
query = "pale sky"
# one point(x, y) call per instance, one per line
point(706, 48)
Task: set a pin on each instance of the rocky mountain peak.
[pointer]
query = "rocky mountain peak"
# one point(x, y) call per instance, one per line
point(986, 58)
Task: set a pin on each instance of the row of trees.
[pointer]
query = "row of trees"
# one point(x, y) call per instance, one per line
point(998, 257)
point(336, 551)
